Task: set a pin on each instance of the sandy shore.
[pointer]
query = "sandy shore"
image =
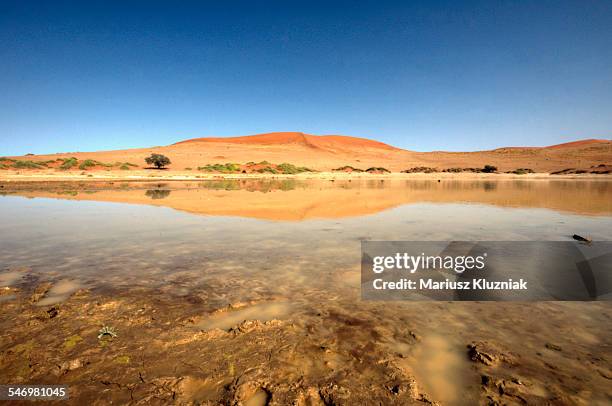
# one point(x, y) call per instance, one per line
point(338, 352)
point(168, 175)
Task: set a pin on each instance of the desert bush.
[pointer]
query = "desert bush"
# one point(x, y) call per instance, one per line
point(347, 168)
point(267, 169)
point(86, 164)
point(489, 169)
point(223, 168)
point(420, 169)
point(377, 169)
point(68, 163)
point(28, 165)
point(522, 171)
point(291, 169)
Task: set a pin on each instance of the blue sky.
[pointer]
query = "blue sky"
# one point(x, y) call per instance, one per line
point(427, 75)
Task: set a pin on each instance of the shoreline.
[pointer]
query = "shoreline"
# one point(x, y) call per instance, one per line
point(166, 175)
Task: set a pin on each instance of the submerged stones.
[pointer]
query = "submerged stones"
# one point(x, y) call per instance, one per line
point(553, 347)
point(40, 291)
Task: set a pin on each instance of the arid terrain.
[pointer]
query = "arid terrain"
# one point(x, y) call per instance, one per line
point(316, 153)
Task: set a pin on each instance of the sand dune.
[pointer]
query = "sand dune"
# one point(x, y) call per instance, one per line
point(325, 142)
point(327, 152)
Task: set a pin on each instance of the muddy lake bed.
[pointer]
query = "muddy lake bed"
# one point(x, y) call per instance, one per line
point(247, 292)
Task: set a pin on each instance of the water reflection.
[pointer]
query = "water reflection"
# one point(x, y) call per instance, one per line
point(293, 200)
point(158, 193)
point(91, 241)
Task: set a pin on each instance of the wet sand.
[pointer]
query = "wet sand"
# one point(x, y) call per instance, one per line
point(341, 351)
point(231, 308)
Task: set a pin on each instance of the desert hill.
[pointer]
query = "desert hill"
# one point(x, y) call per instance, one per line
point(323, 142)
point(327, 152)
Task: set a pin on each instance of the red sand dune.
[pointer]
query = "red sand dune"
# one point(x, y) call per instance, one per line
point(297, 138)
point(573, 144)
point(581, 143)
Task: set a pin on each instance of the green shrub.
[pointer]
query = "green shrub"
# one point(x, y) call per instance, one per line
point(68, 163)
point(86, 164)
point(223, 168)
point(267, 169)
point(28, 165)
point(287, 168)
point(124, 167)
point(292, 169)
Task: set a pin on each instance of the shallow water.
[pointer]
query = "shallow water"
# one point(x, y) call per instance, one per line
point(442, 368)
point(287, 249)
point(106, 243)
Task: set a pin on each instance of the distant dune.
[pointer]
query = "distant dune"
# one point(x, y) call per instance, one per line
point(578, 144)
point(327, 152)
point(324, 142)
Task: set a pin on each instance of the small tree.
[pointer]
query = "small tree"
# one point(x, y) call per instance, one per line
point(489, 169)
point(158, 160)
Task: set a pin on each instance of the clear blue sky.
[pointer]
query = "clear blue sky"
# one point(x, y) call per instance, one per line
point(419, 75)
